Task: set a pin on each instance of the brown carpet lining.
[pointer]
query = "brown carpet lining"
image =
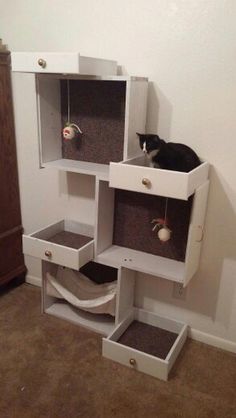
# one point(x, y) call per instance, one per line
point(99, 110)
point(133, 215)
point(148, 339)
point(69, 239)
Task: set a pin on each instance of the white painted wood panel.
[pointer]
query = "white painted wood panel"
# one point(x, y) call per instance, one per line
point(104, 201)
point(46, 300)
point(49, 119)
point(196, 232)
point(143, 362)
point(135, 115)
point(102, 324)
point(101, 171)
point(177, 347)
point(125, 293)
point(61, 62)
point(143, 262)
point(140, 178)
point(97, 66)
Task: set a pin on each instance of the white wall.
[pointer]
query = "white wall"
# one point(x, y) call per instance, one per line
point(187, 49)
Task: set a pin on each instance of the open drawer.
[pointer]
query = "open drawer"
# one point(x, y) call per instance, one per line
point(146, 342)
point(61, 62)
point(135, 175)
point(67, 243)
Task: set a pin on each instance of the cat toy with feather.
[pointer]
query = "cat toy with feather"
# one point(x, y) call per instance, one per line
point(164, 232)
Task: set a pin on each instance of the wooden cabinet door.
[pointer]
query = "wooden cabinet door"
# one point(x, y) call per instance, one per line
point(11, 257)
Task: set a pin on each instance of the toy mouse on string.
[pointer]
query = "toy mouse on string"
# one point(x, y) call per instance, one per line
point(70, 130)
point(164, 232)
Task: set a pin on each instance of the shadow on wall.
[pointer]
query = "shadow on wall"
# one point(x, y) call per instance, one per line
point(77, 185)
point(214, 284)
point(158, 123)
point(212, 291)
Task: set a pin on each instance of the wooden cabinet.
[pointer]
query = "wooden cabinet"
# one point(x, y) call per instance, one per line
point(11, 256)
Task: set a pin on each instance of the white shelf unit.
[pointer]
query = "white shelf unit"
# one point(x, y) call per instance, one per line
point(128, 174)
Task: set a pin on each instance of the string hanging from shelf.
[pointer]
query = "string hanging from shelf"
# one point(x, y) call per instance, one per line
point(70, 130)
point(164, 233)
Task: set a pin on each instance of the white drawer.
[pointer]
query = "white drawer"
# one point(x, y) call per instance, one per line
point(57, 62)
point(66, 243)
point(140, 360)
point(133, 175)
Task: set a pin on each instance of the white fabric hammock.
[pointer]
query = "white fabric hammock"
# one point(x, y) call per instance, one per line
point(82, 292)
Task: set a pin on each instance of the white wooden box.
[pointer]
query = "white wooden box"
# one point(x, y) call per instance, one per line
point(134, 175)
point(139, 360)
point(39, 245)
point(49, 108)
point(100, 323)
point(108, 253)
point(61, 62)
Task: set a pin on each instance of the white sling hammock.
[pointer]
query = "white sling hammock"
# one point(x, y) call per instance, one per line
point(82, 292)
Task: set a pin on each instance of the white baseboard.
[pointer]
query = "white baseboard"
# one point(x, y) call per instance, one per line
point(35, 281)
point(212, 340)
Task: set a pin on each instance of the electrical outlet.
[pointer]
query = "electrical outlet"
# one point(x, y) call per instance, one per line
point(179, 292)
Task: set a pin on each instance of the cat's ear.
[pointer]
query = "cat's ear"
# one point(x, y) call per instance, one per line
point(139, 135)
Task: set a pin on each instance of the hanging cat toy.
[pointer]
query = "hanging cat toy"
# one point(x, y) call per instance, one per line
point(70, 130)
point(164, 233)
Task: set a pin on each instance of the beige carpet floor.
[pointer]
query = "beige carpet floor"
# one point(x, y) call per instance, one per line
point(52, 369)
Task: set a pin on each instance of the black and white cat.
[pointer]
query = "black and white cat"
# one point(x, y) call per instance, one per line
point(168, 155)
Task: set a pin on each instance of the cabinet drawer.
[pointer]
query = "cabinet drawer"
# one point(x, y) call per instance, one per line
point(133, 175)
point(57, 62)
point(124, 348)
point(66, 243)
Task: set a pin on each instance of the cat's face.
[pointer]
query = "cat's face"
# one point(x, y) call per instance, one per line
point(149, 143)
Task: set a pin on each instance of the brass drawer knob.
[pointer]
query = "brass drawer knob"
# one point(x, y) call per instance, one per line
point(146, 182)
point(132, 361)
point(48, 253)
point(42, 62)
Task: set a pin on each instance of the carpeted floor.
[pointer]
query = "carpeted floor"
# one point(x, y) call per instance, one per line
point(52, 369)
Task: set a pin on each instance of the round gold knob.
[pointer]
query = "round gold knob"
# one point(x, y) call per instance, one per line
point(146, 182)
point(48, 253)
point(132, 361)
point(42, 62)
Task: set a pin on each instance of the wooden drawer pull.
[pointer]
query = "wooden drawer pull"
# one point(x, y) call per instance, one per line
point(42, 62)
point(132, 361)
point(146, 182)
point(48, 253)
